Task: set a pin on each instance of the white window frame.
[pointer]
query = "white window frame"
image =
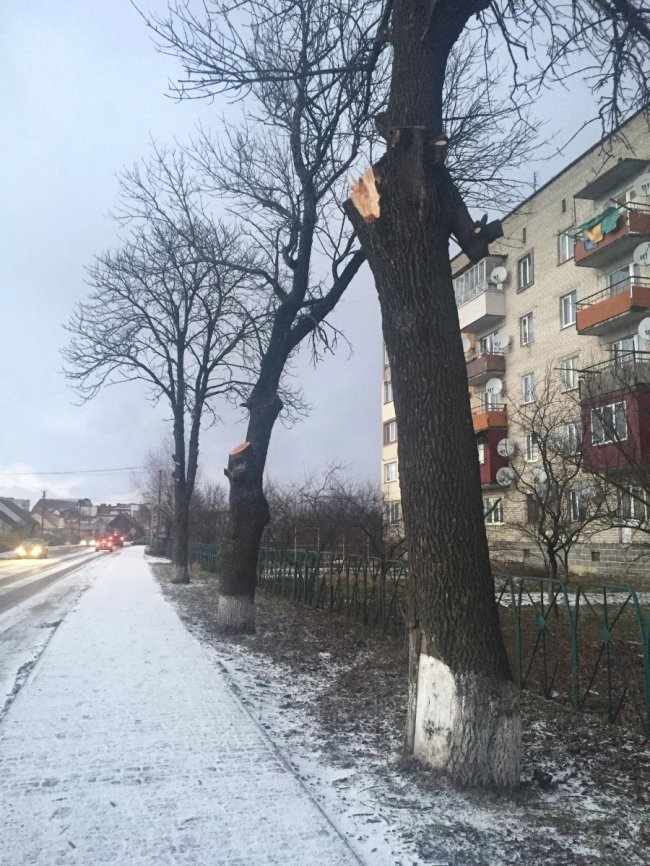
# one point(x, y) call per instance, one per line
point(569, 373)
point(601, 431)
point(390, 432)
point(388, 391)
point(386, 361)
point(624, 351)
point(525, 274)
point(577, 506)
point(531, 448)
point(527, 329)
point(528, 388)
point(572, 435)
point(569, 309)
point(393, 512)
point(565, 246)
point(480, 446)
point(495, 517)
point(633, 506)
point(390, 471)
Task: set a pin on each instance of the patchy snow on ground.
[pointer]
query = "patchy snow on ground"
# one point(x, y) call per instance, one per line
point(330, 694)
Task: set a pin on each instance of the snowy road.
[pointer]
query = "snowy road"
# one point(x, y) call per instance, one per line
point(20, 579)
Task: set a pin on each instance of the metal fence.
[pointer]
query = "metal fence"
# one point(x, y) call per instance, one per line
point(588, 646)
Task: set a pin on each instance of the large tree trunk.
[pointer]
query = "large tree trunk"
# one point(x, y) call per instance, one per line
point(248, 515)
point(464, 715)
point(181, 551)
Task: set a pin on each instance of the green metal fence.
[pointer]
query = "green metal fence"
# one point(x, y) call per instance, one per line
point(204, 555)
point(589, 646)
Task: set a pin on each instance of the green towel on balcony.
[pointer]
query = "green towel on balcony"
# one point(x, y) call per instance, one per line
point(608, 220)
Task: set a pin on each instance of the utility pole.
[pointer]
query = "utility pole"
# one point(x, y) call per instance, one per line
point(43, 513)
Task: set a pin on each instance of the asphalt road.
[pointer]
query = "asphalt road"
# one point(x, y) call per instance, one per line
point(21, 579)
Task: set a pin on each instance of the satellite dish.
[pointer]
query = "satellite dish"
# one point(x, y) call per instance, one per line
point(493, 386)
point(505, 476)
point(641, 254)
point(500, 340)
point(642, 184)
point(506, 448)
point(498, 275)
point(644, 328)
point(467, 345)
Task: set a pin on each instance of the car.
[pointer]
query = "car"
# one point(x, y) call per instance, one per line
point(32, 548)
point(103, 544)
point(117, 539)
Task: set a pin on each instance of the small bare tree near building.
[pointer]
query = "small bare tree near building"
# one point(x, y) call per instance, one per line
point(558, 499)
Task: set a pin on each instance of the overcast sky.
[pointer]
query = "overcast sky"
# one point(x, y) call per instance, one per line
point(84, 90)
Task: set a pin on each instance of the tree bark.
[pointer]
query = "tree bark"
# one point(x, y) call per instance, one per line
point(466, 706)
point(181, 549)
point(248, 515)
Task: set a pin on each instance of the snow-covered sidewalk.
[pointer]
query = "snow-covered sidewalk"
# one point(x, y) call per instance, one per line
point(127, 746)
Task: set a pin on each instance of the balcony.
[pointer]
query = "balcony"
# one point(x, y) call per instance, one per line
point(481, 308)
point(492, 460)
point(629, 227)
point(617, 376)
point(484, 366)
point(618, 392)
point(621, 305)
point(488, 416)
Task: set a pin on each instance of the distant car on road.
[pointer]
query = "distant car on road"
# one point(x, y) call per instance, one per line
point(103, 544)
point(32, 548)
point(117, 539)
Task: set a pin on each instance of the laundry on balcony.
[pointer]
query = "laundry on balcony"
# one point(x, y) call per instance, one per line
point(592, 231)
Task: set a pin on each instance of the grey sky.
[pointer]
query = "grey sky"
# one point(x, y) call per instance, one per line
point(84, 91)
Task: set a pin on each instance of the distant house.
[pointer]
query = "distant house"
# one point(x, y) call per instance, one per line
point(15, 521)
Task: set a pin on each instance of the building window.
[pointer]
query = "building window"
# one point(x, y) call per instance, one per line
point(481, 452)
point(531, 452)
point(609, 424)
point(523, 235)
point(393, 512)
point(569, 373)
point(563, 206)
point(532, 509)
point(525, 271)
point(386, 361)
point(528, 388)
point(633, 505)
point(621, 279)
point(568, 309)
point(565, 247)
point(577, 506)
point(487, 344)
point(572, 437)
point(388, 391)
point(493, 510)
point(527, 329)
point(390, 432)
point(390, 471)
point(624, 351)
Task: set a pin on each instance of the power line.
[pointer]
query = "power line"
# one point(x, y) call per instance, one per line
point(78, 471)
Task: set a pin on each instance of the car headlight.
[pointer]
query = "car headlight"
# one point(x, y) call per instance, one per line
point(20, 551)
point(37, 550)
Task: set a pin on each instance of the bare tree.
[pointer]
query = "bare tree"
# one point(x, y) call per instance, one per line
point(313, 75)
point(329, 513)
point(463, 714)
point(165, 310)
point(558, 499)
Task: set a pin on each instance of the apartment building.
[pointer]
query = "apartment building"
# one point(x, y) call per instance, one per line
point(562, 301)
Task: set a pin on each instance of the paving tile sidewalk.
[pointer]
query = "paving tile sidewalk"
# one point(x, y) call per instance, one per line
point(126, 746)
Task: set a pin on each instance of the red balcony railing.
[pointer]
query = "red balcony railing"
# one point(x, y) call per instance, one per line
point(612, 307)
